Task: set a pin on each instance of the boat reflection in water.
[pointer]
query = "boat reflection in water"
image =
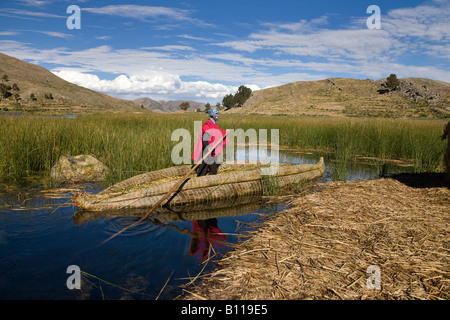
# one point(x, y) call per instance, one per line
point(205, 230)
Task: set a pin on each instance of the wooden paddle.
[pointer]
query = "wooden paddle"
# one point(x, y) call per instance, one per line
point(176, 186)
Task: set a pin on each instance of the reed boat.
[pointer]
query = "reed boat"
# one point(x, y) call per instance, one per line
point(232, 183)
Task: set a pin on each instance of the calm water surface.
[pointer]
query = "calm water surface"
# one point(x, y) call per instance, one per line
point(40, 238)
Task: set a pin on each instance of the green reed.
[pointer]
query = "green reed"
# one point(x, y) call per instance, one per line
point(130, 144)
point(346, 138)
point(127, 144)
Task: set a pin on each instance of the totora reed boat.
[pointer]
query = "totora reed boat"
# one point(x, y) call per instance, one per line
point(225, 189)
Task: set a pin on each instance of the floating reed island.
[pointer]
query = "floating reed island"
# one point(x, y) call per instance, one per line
point(324, 246)
point(232, 182)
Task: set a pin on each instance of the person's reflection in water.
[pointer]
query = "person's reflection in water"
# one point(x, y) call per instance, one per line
point(204, 233)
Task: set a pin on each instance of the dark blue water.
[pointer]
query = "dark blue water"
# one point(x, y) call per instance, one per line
point(38, 244)
point(40, 237)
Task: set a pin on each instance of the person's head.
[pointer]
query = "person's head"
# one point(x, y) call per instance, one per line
point(214, 113)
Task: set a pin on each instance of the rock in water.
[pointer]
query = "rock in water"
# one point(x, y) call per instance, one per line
point(79, 169)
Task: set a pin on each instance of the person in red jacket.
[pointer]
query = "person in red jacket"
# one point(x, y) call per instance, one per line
point(208, 137)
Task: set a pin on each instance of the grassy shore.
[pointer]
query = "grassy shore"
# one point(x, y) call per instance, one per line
point(133, 143)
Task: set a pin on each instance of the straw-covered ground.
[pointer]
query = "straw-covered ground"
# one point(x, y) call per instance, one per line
point(323, 246)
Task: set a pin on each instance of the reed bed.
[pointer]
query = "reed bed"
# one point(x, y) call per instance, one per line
point(126, 144)
point(346, 138)
point(130, 144)
point(322, 247)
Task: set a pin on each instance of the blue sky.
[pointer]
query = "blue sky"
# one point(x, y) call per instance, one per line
point(201, 50)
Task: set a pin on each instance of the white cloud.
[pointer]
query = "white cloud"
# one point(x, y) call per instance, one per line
point(186, 36)
point(294, 40)
point(49, 33)
point(34, 3)
point(407, 34)
point(140, 12)
point(359, 44)
point(302, 25)
point(429, 23)
point(103, 37)
point(137, 62)
point(54, 34)
point(147, 13)
point(203, 89)
point(170, 48)
point(8, 33)
point(439, 51)
point(18, 12)
point(153, 83)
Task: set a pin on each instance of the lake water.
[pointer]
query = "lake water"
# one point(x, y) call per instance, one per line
point(40, 238)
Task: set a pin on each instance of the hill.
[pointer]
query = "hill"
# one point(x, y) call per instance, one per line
point(414, 97)
point(41, 90)
point(168, 106)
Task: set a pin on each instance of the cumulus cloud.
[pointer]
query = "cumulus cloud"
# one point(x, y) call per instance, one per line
point(158, 83)
point(153, 83)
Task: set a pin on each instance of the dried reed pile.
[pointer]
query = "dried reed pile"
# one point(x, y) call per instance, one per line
point(322, 247)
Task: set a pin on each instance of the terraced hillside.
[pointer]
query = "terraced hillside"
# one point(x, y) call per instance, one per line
point(41, 90)
point(414, 97)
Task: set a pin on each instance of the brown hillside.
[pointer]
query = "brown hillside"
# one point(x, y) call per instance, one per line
point(415, 97)
point(32, 78)
point(168, 106)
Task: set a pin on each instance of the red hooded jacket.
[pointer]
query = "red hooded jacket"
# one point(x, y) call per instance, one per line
point(214, 133)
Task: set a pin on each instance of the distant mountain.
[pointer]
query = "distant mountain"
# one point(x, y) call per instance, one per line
point(414, 97)
point(41, 90)
point(168, 106)
point(150, 104)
